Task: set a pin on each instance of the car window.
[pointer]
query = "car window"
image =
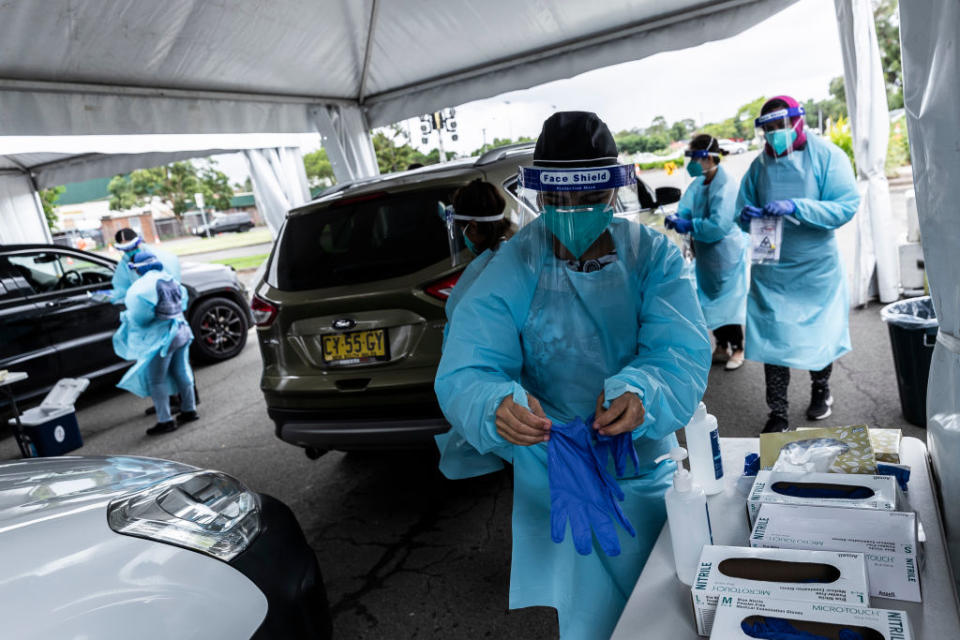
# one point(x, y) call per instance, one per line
point(361, 241)
point(47, 271)
point(12, 284)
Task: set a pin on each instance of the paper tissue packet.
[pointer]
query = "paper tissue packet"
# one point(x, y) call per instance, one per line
point(815, 576)
point(749, 618)
point(851, 449)
point(888, 540)
point(848, 490)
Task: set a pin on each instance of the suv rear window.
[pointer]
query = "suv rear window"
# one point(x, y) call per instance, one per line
point(360, 241)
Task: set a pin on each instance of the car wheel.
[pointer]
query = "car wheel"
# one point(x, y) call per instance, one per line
point(219, 329)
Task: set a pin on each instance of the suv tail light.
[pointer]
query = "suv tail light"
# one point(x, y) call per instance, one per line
point(441, 288)
point(264, 313)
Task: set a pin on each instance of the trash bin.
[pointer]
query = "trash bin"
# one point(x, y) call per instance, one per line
point(913, 326)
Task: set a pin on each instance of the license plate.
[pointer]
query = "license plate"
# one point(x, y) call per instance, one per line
point(355, 347)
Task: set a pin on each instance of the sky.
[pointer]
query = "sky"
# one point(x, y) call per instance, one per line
point(707, 83)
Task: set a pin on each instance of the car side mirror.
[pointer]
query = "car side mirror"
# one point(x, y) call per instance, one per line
point(667, 195)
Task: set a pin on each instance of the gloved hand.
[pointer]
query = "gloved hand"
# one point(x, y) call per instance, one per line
point(620, 447)
point(749, 212)
point(582, 492)
point(678, 224)
point(780, 208)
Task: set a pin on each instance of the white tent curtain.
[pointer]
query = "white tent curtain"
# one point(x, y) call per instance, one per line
point(876, 251)
point(279, 182)
point(931, 66)
point(21, 216)
point(346, 138)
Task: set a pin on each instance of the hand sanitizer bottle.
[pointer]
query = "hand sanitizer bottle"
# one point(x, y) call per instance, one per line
point(688, 517)
point(703, 442)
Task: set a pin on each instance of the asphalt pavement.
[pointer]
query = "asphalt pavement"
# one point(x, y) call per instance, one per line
point(406, 553)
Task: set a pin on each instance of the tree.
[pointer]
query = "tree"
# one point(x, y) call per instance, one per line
point(499, 142)
point(48, 200)
point(886, 15)
point(319, 170)
point(175, 183)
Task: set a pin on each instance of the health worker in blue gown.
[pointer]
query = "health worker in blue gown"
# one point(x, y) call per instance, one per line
point(708, 212)
point(477, 225)
point(154, 333)
point(798, 307)
point(129, 242)
point(584, 312)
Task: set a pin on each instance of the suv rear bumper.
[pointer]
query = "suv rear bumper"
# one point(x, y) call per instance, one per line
point(319, 429)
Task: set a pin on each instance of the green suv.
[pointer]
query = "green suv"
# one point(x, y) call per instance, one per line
point(350, 309)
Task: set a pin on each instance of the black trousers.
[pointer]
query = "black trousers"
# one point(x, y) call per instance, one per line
point(730, 335)
point(778, 379)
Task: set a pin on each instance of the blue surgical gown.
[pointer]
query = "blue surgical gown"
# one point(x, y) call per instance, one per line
point(798, 309)
point(142, 335)
point(531, 325)
point(458, 459)
point(124, 276)
point(720, 246)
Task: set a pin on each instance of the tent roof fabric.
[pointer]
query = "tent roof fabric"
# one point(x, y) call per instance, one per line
point(395, 59)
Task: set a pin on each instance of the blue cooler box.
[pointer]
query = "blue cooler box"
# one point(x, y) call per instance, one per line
point(51, 433)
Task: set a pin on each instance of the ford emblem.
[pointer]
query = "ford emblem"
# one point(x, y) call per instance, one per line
point(342, 324)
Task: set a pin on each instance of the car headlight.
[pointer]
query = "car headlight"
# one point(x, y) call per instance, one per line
point(206, 511)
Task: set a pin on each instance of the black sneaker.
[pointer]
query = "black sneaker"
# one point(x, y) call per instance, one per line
point(162, 427)
point(186, 416)
point(820, 402)
point(776, 424)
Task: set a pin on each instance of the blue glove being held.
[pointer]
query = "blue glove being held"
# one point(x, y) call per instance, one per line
point(678, 224)
point(582, 492)
point(749, 212)
point(620, 447)
point(780, 208)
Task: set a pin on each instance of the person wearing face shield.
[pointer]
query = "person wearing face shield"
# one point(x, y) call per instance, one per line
point(583, 313)
point(154, 333)
point(129, 242)
point(477, 214)
point(797, 307)
point(707, 212)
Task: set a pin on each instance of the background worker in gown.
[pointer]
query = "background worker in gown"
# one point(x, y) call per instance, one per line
point(580, 312)
point(708, 212)
point(798, 308)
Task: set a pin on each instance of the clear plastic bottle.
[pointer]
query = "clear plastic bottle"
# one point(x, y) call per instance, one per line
point(703, 443)
point(689, 518)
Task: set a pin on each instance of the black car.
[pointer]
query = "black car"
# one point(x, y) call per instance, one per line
point(225, 223)
point(53, 326)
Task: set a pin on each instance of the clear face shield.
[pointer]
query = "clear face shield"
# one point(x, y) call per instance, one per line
point(578, 204)
point(695, 161)
point(462, 248)
point(780, 129)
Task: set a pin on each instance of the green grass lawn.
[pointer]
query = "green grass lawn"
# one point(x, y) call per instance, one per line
point(189, 246)
point(244, 262)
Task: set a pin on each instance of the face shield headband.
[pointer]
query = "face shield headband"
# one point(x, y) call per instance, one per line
point(779, 114)
point(130, 246)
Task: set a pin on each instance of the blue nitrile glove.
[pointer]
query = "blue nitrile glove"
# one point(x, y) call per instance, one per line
point(751, 464)
point(582, 492)
point(678, 224)
point(849, 634)
point(776, 629)
point(780, 208)
point(899, 471)
point(840, 492)
point(749, 212)
point(620, 447)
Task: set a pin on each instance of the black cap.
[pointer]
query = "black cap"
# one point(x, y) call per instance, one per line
point(124, 234)
point(575, 138)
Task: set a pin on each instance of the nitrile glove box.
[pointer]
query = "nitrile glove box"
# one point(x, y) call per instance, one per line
point(770, 618)
point(785, 574)
point(846, 490)
point(51, 432)
point(888, 540)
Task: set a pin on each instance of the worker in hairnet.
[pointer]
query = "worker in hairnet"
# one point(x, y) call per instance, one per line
point(154, 332)
point(476, 222)
point(582, 313)
point(797, 308)
point(708, 213)
point(128, 241)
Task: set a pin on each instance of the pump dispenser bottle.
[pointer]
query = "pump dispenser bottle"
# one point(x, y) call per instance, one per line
point(703, 443)
point(688, 517)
